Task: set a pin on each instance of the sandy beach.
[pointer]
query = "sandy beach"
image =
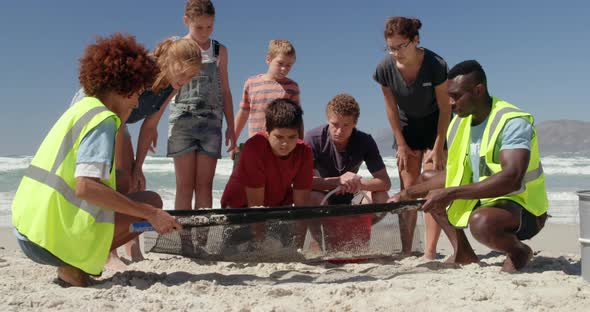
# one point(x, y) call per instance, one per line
point(551, 282)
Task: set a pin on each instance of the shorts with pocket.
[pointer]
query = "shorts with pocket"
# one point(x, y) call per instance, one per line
point(194, 131)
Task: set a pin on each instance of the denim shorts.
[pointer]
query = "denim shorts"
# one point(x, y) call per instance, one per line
point(37, 253)
point(194, 131)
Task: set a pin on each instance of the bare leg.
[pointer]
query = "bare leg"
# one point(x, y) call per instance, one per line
point(432, 236)
point(122, 222)
point(315, 227)
point(462, 251)
point(407, 220)
point(77, 277)
point(204, 173)
point(432, 228)
point(184, 167)
point(494, 227)
point(73, 276)
point(124, 160)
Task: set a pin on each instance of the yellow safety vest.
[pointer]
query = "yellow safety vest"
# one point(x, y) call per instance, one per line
point(45, 208)
point(531, 195)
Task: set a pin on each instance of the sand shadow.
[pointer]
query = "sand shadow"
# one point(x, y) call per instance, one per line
point(539, 263)
point(144, 280)
point(331, 274)
point(564, 264)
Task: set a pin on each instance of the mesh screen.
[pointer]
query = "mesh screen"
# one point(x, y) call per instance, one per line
point(322, 238)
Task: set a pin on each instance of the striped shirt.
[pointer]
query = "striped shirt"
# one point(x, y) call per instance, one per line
point(259, 93)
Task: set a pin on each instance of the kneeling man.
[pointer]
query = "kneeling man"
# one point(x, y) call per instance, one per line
point(494, 182)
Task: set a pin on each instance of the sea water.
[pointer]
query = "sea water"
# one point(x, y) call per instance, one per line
point(564, 176)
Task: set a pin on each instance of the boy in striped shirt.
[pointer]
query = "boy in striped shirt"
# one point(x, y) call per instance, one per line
point(260, 90)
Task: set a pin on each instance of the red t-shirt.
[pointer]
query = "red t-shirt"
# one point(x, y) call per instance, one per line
point(259, 167)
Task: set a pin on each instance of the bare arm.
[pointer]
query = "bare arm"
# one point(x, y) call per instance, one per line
point(148, 134)
point(93, 191)
point(379, 183)
point(301, 197)
point(240, 122)
point(421, 189)
point(324, 184)
point(403, 150)
point(514, 164)
point(438, 154)
point(148, 140)
point(393, 116)
point(228, 106)
point(255, 196)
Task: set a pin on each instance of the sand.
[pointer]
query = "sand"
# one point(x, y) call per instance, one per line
point(551, 282)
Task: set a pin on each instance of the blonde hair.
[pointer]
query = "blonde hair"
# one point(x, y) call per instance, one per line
point(196, 8)
point(172, 53)
point(279, 46)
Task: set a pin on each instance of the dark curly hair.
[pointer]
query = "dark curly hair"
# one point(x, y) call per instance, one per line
point(283, 113)
point(344, 105)
point(116, 64)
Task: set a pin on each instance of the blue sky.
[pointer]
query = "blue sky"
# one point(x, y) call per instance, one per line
point(534, 52)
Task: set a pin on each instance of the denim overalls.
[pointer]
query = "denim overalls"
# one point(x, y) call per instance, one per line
point(197, 111)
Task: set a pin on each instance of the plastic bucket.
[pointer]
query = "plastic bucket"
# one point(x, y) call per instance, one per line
point(584, 204)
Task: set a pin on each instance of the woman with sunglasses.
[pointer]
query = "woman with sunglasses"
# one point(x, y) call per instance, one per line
point(414, 84)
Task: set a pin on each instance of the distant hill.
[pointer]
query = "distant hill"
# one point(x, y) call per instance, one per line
point(564, 136)
point(555, 137)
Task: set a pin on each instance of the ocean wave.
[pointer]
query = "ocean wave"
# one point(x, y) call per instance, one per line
point(552, 165)
point(565, 161)
point(562, 196)
point(6, 202)
point(14, 163)
point(574, 171)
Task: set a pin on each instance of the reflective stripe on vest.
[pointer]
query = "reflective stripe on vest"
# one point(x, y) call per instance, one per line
point(453, 130)
point(499, 114)
point(68, 142)
point(531, 193)
point(59, 185)
point(45, 207)
point(485, 171)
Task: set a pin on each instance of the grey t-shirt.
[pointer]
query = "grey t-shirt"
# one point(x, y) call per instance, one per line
point(418, 99)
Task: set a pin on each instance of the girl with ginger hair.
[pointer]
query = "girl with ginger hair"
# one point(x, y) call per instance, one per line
point(76, 216)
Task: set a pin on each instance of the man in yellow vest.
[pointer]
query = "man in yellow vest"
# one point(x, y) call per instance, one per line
point(493, 182)
point(66, 211)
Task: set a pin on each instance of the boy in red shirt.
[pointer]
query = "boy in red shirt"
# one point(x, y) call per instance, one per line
point(275, 167)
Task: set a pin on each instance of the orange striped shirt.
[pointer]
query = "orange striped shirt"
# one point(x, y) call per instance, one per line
point(259, 93)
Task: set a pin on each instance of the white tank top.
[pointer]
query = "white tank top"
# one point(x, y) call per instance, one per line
point(208, 56)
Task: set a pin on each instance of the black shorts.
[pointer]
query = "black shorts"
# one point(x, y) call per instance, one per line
point(420, 133)
point(530, 225)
